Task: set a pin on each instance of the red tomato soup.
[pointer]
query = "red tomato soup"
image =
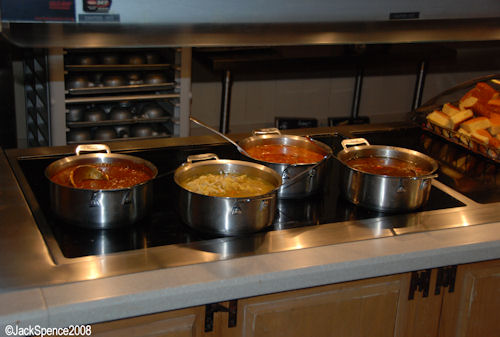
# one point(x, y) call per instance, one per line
point(284, 154)
point(121, 175)
point(386, 166)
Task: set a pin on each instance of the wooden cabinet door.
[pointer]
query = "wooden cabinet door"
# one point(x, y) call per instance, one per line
point(177, 323)
point(359, 308)
point(473, 309)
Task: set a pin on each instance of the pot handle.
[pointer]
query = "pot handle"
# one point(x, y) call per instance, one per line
point(92, 148)
point(354, 142)
point(427, 177)
point(200, 157)
point(266, 131)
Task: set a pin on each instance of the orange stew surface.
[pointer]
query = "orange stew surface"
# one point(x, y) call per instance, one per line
point(284, 154)
point(386, 166)
point(121, 175)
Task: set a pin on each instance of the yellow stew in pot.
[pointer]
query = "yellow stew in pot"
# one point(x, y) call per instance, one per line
point(231, 185)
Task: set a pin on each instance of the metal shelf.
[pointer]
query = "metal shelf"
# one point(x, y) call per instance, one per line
point(118, 67)
point(110, 122)
point(120, 98)
point(120, 89)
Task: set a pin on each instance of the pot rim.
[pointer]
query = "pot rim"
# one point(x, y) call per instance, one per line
point(354, 149)
point(191, 165)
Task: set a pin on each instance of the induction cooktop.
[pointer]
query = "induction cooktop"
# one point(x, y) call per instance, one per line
point(164, 227)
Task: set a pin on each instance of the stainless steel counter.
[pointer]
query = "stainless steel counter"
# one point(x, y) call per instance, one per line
point(28, 260)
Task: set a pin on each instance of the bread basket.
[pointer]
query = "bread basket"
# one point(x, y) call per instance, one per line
point(450, 134)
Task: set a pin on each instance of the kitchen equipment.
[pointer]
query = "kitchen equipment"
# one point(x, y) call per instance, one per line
point(75, 113)
point(299, 180)
point(141, 130)
point(113, 80)
point(152, 110)
point(122, 131)
point(134, 78)
point(328, 212)
point(134, 59)
point(94, 114)
point(155, 78)
point(105, 133)
point(121, 112)
point(225, 215)
point(79, 135)
point(100, 209)
point(85, 59)
point(78, 81)
point(110, 59)
point(152, 58)
point(383, 192)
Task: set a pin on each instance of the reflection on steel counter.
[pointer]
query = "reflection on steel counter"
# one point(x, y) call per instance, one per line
point(164, 227)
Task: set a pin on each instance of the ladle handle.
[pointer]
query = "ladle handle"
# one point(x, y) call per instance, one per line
point(242, 150)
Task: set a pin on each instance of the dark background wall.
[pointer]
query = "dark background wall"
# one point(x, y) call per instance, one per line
point(7, 103)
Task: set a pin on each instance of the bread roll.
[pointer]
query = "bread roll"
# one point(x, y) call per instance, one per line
point(450, 109)
point(439, 118)
point(495, 124)
point(476, 123)
point(481, 136)
point(460, 117)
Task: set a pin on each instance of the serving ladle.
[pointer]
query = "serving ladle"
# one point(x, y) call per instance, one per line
point(242, 150)
point(86, 172)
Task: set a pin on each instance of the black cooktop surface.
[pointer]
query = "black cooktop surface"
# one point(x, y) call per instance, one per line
point(164, 227)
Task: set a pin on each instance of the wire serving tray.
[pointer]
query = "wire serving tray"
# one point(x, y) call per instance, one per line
point(453, 95)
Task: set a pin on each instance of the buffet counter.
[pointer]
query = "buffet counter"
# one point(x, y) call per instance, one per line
point(41, 286)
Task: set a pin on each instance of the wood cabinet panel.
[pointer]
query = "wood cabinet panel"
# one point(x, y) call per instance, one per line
point(178, 323)
point(473, 309)
point(360, 308)
point(419, 316)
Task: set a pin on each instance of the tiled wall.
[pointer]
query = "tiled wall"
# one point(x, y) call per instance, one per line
point(254, 104)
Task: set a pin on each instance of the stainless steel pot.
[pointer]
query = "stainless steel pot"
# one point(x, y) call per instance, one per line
point(225, 215)
point(299, 180)
point(100, 209)
point(381, 192)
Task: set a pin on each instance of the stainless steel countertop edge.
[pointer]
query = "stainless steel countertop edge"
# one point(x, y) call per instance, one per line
point(158, 285)
point(179, 287)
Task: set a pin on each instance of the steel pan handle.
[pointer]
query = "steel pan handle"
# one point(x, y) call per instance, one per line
point(200, 157)
point(266, 131)
point(354, 142)
point(92, 148)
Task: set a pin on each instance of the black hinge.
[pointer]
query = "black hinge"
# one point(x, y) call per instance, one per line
point(446, 278)
point(210, 309)
point(420, 282)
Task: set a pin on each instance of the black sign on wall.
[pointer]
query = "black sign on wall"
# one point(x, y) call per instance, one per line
point(38, 10)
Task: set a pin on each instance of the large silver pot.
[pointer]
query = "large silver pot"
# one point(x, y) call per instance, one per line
point(381, 192)
point(299, 180)
point(100, 209)
point(225, 215)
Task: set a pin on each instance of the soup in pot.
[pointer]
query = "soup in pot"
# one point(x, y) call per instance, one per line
point(228, 185)
point(284, 154)
point(121, 175)
point(386, 166)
